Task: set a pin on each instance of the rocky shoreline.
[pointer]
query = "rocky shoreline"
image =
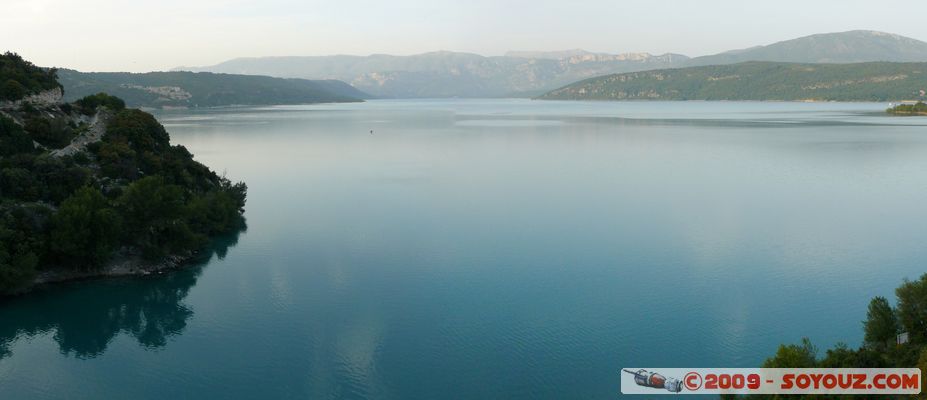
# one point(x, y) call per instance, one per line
point(123, 265)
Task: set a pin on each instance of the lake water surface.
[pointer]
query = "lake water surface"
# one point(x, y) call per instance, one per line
point(497, 249)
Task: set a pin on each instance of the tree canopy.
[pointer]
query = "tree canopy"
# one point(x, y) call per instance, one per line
point(19, 78)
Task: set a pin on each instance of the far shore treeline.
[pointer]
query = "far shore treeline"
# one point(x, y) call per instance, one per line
point(759, 81)
point(919, 108)
point(87, 181)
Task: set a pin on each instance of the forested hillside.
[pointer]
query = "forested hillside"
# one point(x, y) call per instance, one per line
point(189, 89)
point(758, 81)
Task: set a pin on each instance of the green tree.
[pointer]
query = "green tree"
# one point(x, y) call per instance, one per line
point(19, 183)
point(12, 90)
point(155, 218)
point(912, 308)
point(842, 356)
point(89, 104)
point(51, 132)
point(21, 77)
point(802, 355)
point(17, 265)
point(85, 230)
point(922, 364)
point(13, 139)
point(881, 325)
point(22, 243)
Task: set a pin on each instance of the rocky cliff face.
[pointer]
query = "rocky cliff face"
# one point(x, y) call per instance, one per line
point(42, 99)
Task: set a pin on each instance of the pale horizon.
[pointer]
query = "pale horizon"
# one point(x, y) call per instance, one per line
point(105, 35)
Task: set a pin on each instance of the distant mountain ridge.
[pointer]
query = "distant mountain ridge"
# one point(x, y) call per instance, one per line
point(836, 48)
point(446, 74)
point(189, 89)
point(531, 73)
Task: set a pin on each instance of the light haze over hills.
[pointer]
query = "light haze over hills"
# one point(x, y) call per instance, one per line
point(839, 48)
point(528, 73)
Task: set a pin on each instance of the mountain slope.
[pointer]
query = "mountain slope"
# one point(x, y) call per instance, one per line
point(448, 74)
point(758, 81)
point(187, 89)
point(841, 47)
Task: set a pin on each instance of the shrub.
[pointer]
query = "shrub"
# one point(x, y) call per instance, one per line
point(89, 104)
point(21, 77)
point(85, 230)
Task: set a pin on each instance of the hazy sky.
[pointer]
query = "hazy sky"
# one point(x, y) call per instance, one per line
point(107, 35)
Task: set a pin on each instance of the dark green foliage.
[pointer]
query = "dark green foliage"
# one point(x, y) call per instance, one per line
point(881, 325)
point(912, 308)
point(919, 108)
point(841, 356)
point(22, 243)
point(85, 230)
point(140, 129)
point(134, 144)
point(17, 261)
point(155, 217)
point(89, 104)
point(117, 159)
point(794, 356)
point(13, 90)
point(29, 177)
point(53, 133)
point(164, 218)
point(177, 202)
point(758, 81)
point(13, 139)
point(217, 211)
point(19, 77)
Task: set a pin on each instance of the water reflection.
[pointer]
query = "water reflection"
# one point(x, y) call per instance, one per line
point(85, 317)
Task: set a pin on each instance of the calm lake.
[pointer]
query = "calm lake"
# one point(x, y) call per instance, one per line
point(497, 249)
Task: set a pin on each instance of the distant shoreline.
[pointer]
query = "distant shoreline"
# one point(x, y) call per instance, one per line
point(907, 110)
point(710, 101)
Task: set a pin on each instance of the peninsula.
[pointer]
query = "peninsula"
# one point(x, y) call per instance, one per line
point(92, 188)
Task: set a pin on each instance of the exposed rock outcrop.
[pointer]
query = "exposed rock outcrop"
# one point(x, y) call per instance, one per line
point(42, 99)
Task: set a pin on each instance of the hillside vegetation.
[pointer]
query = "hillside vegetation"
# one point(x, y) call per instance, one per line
point(758, 81)
point(84, 182)
point(19, 78)
point(188, 89)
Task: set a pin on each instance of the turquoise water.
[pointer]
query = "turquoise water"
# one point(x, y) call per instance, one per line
point(497, 249)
